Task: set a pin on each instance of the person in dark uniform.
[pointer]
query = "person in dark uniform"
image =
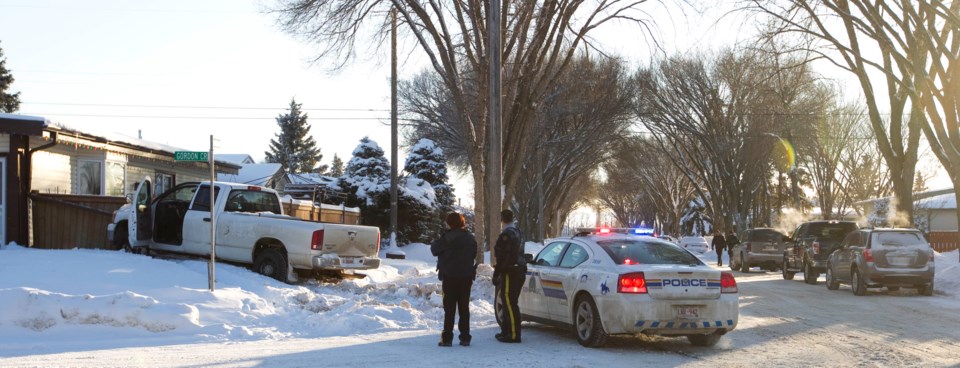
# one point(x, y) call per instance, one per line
point(730, 241)
point(456, 252)
point(718, 243)
point(509, 273)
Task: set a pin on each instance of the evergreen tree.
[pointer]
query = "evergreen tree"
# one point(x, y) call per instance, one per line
point(426, 161)
point(367, 173)
point(336, 167)
point(294, 149)
point(8, 102)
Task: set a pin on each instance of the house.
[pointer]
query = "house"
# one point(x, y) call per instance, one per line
point(935, 212)
point(268, 175)
point(237, 158)
point(316, 187)
point(78, 173)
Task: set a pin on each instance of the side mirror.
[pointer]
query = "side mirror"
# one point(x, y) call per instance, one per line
point(528, 257)
point(129, 197)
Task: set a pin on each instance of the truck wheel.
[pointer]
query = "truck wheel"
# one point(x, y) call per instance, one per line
point(120, 240)
point(857, 283)
point(809, 275)
point(832, 283)
point(787, 275)
point(271, 263)
point(705, 340)
point(586, 320)
point(744, 267)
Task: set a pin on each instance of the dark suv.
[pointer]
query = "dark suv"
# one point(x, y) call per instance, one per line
point(811, 244)
point(888, 258)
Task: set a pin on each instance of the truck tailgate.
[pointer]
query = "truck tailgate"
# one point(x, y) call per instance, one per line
point(351, 240)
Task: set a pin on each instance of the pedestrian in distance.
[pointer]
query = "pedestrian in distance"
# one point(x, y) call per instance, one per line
point(718, 243)
point(731, 240)
point(456, 252)
point(509, 273)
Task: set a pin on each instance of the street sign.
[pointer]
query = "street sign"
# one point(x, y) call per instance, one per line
point(190, 156)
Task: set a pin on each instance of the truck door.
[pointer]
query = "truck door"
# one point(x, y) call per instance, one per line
point(196, 223)
point(140, 222)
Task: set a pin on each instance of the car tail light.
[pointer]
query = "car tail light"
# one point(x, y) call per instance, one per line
point(867, 256)
point(816, 248)
point(632, 283)
point(317, 242)
point(728, 284)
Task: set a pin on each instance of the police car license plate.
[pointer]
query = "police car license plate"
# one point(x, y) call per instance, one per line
point(687, 311)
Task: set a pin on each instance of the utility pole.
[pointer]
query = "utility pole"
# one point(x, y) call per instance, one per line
point(393, 127)
point(494, 179)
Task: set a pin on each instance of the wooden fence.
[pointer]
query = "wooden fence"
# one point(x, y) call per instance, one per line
point(944, 241)
point(306, 211)
point(62, 221)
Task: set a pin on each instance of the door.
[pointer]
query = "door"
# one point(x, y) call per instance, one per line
point(533, 301)
point(3, 200)
point(569, 275)
point(841, 259)
point(196, 222)
point(140, 222)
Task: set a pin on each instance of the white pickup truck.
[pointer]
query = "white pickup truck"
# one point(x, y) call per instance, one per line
point(251, 229)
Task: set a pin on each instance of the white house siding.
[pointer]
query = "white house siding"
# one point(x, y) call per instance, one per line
point(4, 143)
point(943, 220)
point(138, 168)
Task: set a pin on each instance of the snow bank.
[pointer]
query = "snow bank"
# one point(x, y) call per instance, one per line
point(947, 279)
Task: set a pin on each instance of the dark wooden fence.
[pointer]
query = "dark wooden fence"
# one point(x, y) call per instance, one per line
point(944, 241)
point(317, 214)
point(62, 221)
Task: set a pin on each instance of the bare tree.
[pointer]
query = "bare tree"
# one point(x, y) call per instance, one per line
point(709, 118)
point(833, 137)
point(910, 45)
point(539, 41)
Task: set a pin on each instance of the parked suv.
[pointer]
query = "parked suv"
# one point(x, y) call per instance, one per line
point(810, 245)
point(890, 258)
point(761, 247)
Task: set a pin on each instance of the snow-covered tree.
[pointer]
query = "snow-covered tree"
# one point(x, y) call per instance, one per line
point(294, 149)
point(366, 180)
point(9, 102)
point(426, 161)
point(336, 167)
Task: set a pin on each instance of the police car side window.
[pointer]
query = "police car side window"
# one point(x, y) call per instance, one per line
point(550, 256)
point(574, 256)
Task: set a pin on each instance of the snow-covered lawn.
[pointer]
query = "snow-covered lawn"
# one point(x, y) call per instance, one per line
point(57, 304)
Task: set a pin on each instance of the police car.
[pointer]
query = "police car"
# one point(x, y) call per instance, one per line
point(606, 283)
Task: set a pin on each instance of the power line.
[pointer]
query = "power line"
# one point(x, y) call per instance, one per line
point(198, 107)
point(153, 10)
point(200, 117)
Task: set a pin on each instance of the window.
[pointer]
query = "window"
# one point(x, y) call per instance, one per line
point(202, 201)
point(641, 252)
point(574, 256)
point(89, 177)
point(550, 256)
point(252, 201)
point(116, 178)
point(164, 182)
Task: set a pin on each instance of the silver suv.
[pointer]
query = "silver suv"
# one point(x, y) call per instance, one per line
point(761, 247)
point(890, 258)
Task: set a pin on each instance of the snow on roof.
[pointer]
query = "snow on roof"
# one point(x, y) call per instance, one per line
point(23, 117)
point(256, 174)
point(940, 202)
point(311, 179)
point(237, 158)
point(114, 137)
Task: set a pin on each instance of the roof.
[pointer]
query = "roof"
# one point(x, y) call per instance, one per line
point(934, 193)
point(310, 179)
point(237, 158)
point(256, 174)
point(939, 202)
point(22, 124)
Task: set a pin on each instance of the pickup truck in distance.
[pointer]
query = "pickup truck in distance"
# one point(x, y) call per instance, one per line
point(810, 247)
point(250, 229)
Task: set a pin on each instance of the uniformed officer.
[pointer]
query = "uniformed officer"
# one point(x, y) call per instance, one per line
point(508, 275)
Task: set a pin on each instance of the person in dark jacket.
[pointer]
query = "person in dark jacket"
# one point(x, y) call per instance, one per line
point(718, 244)
point(509, 273)
point(730, 241)
point(456, 252)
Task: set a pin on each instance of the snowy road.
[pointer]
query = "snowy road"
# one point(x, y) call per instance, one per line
point(783, 323)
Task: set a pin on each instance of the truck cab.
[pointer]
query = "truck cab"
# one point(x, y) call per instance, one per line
point(810, 246)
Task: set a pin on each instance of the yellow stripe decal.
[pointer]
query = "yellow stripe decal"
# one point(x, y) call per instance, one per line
point(513, 328)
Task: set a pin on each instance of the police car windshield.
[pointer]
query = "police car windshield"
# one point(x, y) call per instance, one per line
point(635, 251)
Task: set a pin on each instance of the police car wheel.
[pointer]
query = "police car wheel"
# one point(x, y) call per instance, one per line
point(586, 320)
point(498, 307)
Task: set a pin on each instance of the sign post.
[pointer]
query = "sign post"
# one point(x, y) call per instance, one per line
point(200, 156)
